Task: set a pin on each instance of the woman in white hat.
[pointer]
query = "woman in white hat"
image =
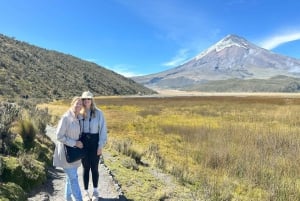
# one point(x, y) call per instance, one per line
point(95, 133)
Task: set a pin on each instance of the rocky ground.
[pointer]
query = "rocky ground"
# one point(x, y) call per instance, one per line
point(53, 189)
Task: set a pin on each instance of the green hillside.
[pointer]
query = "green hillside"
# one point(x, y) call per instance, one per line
point(34, 72)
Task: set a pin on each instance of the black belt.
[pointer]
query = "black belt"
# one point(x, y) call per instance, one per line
point(90, 133)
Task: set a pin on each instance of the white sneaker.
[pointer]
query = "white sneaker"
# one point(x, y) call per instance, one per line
point(95, 196)
point(86, 196)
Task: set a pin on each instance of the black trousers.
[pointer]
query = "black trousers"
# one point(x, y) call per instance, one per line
point(91, 161)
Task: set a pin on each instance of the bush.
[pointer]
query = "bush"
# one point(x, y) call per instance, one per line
point(43, 149)
point(14, 144)
point(11, 191)
point(154, 155)
point(25, 171)
point(25, 150)
point(27, 131)
point(8, 113)
point(41, 119)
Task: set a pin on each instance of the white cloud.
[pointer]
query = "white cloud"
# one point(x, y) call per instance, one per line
point(123, 69)
point(91, 60)
point(275, 41)
point(179, 59)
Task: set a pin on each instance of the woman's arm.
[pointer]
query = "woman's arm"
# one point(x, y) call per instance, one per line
point(62, 130)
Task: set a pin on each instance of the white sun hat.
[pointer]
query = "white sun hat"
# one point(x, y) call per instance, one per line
point(86, 94)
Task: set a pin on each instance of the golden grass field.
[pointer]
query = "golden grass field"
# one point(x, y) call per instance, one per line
point(214, 146)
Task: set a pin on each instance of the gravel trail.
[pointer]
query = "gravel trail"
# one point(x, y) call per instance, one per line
point(53, 189)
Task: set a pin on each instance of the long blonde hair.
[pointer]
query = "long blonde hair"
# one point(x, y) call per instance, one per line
point(74, 100)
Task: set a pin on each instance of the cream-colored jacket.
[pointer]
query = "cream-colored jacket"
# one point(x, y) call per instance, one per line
point(68, 131)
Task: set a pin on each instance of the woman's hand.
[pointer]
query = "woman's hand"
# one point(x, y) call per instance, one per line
point(79, 144)
point(99, 151)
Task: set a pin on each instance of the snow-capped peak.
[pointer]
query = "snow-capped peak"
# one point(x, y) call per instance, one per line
point(228, 41)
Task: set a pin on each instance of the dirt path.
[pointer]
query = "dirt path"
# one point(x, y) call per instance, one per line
point(53, 189)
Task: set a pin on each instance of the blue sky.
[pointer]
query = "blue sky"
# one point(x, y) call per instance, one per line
point(139, 37)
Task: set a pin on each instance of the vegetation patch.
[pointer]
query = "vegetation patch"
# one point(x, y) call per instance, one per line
point(30, 73)
point(205, 148)
point(24, 171)
point(25, 150)
point(11, 191)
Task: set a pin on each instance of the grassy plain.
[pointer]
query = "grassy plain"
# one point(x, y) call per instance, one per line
point(203, 147)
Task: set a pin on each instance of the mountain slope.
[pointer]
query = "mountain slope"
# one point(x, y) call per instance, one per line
point(27, 70)
point(232, 58)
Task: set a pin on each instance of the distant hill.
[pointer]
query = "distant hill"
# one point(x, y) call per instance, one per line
point(30, 71)
point(231, 65)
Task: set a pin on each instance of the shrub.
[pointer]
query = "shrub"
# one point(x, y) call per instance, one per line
point(153, 154)
point(24, 171)
point(14, 144)
point(27, 131)
point(125, 147)
point(130, 164)
point(43, 149)
point(8, 113)
point(22, 128)
point(11, 191)
point(41, 119)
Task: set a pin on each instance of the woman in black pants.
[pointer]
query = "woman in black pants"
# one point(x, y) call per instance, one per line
point(94, 131)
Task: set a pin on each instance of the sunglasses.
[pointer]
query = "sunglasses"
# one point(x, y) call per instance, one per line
point(86, 99)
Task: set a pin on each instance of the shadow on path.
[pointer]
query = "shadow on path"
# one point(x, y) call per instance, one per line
point(121, 198)
point(48, 187)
